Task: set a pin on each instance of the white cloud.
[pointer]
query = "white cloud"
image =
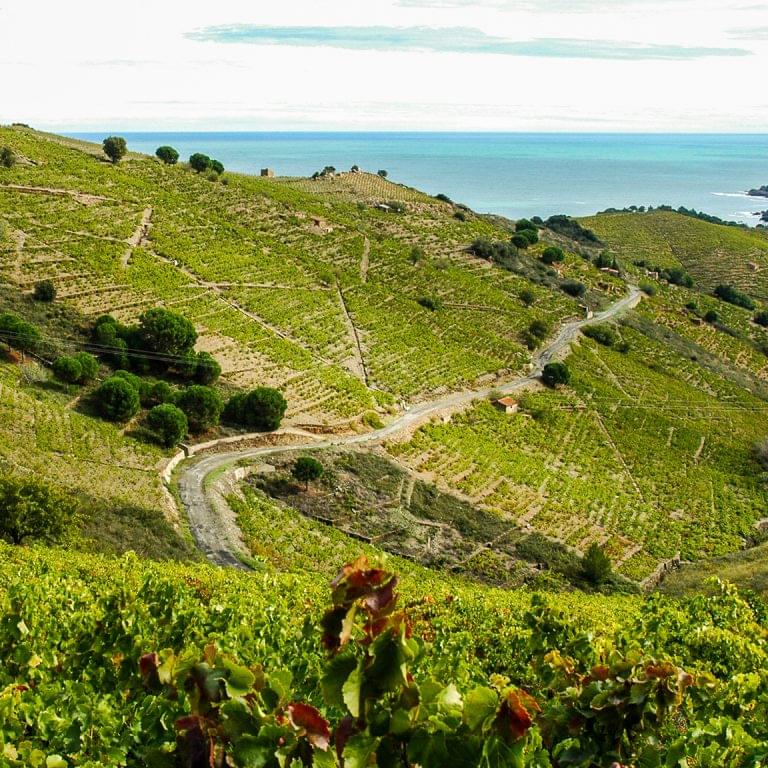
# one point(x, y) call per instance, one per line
point(72, 66)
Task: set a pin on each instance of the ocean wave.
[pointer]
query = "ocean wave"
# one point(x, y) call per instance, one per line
point(732, 194)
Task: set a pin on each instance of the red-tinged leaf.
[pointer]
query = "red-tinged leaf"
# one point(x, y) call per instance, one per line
point(149, 663)
point(332, 624)
point(196, 749)
point(343, 732)
point(514, 717)
point(356, 580)
point(382, 599)
point(600, 672)
point(21, 687)
point(310, 723)
point(209, 653)
point(660, 671)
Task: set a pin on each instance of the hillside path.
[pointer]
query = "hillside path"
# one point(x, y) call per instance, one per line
point(213, 533)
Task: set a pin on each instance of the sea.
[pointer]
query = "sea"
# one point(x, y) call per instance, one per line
point(512, 174)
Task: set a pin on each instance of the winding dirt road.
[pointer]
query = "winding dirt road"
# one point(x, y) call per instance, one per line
point(213, 524)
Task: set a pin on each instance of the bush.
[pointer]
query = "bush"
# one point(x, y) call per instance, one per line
point(117, 399)
point(89, 366)
point(202, 406)
point(168, 423)
point(382, 173)
point(155, 393)
point(217, 167)
point(555, 373)
point(7, 158)
point(416, 255)
point(443, 198)
point(199, 162)
point(566, 226)
point(115, 148)
point(552, 254)
point(165, 332)
point(18, 333)
point(527, 296)
point(520, 240)
point(531, 235)
point(485, 248)
point(596, 565)
point(734, 296)
point(761, 318)
point(30, 509)
point(649, 289)
point(207, 369)
point(429, 302)
point(262, 408)
point(67, 369)
point(44, 291)
point(711, 316)
point(525, 224)
point(168, 155)
point(307, 468)
point(602, 333)
point(460, 216)
point(677, 276)
point(574, 288)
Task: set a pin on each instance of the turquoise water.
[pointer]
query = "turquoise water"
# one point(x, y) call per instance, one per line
point(517, 174)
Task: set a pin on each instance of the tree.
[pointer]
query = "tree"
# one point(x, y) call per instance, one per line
point(519, 240)
point(596, 565)
point(166, 332)
point(202, 406)
point(67, 369)
point(523, 224)
point(552, 254)
point(207, 369)
point(117, 399)
point(115, 148)
point(734, 296)
point(262, 408)
point(30, 509)
point(44, 291)
point(382, 173)
point(169, 424)
point(7, 158)
point(217, 166)
point(199, 162)
point(306, 469)
point(555, 373)
point(89, 366)
point(18, 333)
point(168, 155)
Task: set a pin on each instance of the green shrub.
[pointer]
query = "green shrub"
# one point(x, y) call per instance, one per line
point(115, 148)
point(44, 291)
point(168, 155)
point(166, 333)
point(596, 565)
point(117, 399)
point(202, 406)
point(552, 254)
point(7, 157)
point(556, 373)
point(306, 469)
point(574, 288)
point(430, 302)
point(169, 424)
point(522, 225)
point(30, 509)
point(602, 333)
point(761, 318)
point(520, 240)
point(527, 296)
point(734, 296)
point(649, 289)
point(262, 408)
point(67, 369)
point(207, 369)
point(199, 162)
point(18, 333)
point(89, 366)
point(711, 316)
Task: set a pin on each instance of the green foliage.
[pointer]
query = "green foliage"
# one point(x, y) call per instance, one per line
point(521, 239)
point(382, 173)
point(648, 288)
point(207, 369)
point(734, 296)
point(89, 366)
point(761, 318)
point(7, 157)
point(432, 303)
point(114, 148)
point(167, 154)
point(574, 288)
point(199, 162)
point(602, 333)
point(556, 373)
point(168, 423)
point(30, 509)
point(596, 565)
point(166, 333)
point(537, 331)
point(307, 468)
point(552, 254)
point(527, 296)
point(18, 333)
point(711, 316)
point(262, 408)
point(117, 399)
point(202, 406)
point(416, 255)
point(67, 369)
point(525, 224)
point(44, 291)
point(217, 167)
point(568, 227)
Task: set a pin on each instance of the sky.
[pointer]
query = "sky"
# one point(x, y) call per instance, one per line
point(436, 65)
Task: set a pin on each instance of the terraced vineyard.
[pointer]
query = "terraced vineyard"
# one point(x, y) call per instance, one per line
point(712, 254)
point(636, 455)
